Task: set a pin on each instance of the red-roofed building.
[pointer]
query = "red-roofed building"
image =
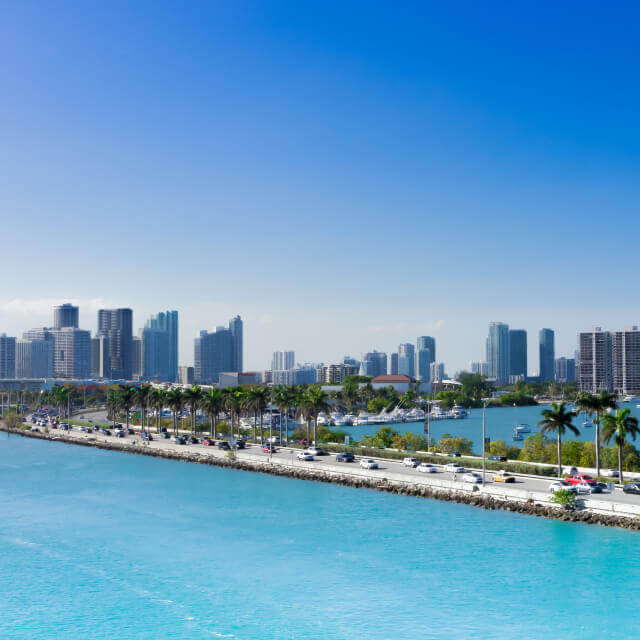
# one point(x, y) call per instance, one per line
point(398, 382)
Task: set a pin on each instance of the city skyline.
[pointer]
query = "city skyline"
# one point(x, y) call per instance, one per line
point(416, 120)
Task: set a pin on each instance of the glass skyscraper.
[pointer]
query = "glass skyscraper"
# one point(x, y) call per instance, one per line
point(518, 353)
point(547, 355)
point(168, 321)
point(498, 352)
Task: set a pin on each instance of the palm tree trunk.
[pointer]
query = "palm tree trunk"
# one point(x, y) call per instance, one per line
point(280, 430)
point(620, 462)
point(215, 426)
point(261, 433)
point(286, 426)
point(559, 456)
point(315, 430)
point(597, 444)
point(308, 434)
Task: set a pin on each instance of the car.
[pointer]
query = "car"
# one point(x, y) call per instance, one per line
point(578, 478)
point(241, 444)
point(165, 435)
point(570, 470)
point(471, 477)
point(316, 451)
point(305, 455)
point(207, 442)
point(192, 440)
point(610, 473)
point(268, 447)
point(106, 432)
point(503, 476)
point(224, 445)
point(411, 462)
point(163, 429)
point(368, 463)
point(120, 433)
point(453, 467)
point(561, 485)
point(345, 456)
point(178, 439)
point(455, 454)
point(497, 458)
point(35, 429)
point(425, 467)
point(585, 487)
point(632, 487)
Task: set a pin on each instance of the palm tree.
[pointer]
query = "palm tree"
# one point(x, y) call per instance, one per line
point(317, 401)
point(557, 420)
point(142, 397)
point(113, 404)
point(619, 426)
point(175, 401)
point(349, 393)
point(261, 400)
point(157, 400)
point(250, 402)
point(597, 405)
point(193, 397)
point(212, 404)
point(233, 402)
point(282, 400)
point(126, 400)
point(61, 398)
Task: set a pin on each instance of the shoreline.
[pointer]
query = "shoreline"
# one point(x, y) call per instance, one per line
point(472, 497)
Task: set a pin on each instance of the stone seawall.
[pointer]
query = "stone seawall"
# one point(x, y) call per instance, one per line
point(472, 498)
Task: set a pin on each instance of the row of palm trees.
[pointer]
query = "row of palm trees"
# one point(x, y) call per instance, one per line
point(307, 403)
point(618, 427)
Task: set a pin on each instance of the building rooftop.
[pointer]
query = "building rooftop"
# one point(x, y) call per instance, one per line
point(395, 378)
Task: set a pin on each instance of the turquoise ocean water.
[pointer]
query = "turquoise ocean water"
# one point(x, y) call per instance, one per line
point(499, 425)
point(103, 545)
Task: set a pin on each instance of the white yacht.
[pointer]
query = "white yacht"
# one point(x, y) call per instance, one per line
point(437, 413)
point(363, 418)
point(457, 413)
point(630, 399)
point(522, 428)
point(323, 420)
point(349, 420)
point(337, 419)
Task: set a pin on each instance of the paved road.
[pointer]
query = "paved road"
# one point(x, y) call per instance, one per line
point(286, 455)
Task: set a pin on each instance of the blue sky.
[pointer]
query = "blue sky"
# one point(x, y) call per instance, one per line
point(343, 175)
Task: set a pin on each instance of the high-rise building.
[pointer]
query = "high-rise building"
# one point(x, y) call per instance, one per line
point(350, 360)
point(335, 373)
point(117, 325)
point(436, 371)
point(427, 342)
point(34, 359)
point(498, 352)
point(424, 358)
point(518, 353)
point(72, 353)
point(547, 355)
point(155, 350)
point(7, 356)
point(308, 373)
point(65, 315)
point(217, 352)
point(168, 321)
point(393, 364)
point(565, 369)
point(100, 357)
point(136, 357)
point(283, 360)
point(625, 347)
point(237, 344)
point(595, 365)
point(406, 360)
point(374, 364)
point(186, 375)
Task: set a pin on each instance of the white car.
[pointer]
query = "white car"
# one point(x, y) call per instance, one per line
point(305, 455)
point(368, 464)
point(315, 451)
point(561, 485)
point(453, 467)
point(411, 462)
point(425, 467)
point(472, 477)
point(610, 473)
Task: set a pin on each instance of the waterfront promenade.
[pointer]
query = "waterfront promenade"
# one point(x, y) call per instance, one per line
point(526, 489)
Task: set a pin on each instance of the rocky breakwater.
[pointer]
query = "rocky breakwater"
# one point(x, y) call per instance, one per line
point(466, 496)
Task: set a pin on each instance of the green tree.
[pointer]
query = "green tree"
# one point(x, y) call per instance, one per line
point(142, 398)
point(317, 402)
point(192, 397)
point(157, 400)
point(212, 402)
point(127, 398)
point(558, 420)
point(596, 405)
point(619, 427)
point(498, 448)
point(349, 393)
point(175, 401)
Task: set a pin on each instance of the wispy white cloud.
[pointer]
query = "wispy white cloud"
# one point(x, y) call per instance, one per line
point(44, 306)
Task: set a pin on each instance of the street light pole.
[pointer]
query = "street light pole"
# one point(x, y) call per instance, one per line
point(484, 408)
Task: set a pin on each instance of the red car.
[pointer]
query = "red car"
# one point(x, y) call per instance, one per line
point(208, 443)
point(578, 478)
point(268, 448)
